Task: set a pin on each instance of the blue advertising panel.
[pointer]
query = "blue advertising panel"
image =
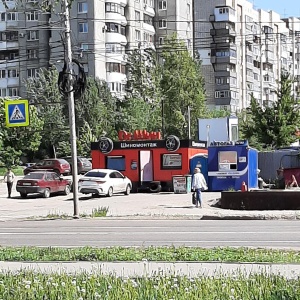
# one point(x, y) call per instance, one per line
point(229, 164)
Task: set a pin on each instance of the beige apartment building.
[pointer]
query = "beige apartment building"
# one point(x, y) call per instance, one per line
point(243, 51)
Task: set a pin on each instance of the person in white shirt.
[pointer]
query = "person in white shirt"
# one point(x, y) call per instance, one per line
point(9, 177)
point(198, 185)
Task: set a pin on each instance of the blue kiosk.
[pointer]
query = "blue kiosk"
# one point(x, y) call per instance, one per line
point(230, 163)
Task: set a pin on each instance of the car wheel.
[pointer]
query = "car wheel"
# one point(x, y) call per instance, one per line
point(110, 192)
point(46, 193)
point(23, 195)
point(67, 190)
point(127, 191)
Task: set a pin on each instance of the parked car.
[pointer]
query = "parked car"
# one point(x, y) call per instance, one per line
point(104, 182)
point(60, 166)
point(44, 183)
point(83, 164)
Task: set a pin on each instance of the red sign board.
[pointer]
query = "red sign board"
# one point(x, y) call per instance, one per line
point(138, 135)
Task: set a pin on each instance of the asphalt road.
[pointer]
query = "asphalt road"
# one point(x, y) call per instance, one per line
point(113, 232)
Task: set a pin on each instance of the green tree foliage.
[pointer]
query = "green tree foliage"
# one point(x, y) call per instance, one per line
point(19, 141)
point(272, 127)
point(43, 92)
point(182, 86)
point(96, 109)
point(142, 107)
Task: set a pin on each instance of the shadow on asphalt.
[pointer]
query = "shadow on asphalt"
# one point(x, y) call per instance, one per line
point(178, 206)
point(85, 198)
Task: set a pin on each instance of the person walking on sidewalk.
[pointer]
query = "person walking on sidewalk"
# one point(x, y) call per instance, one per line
point(9, 179)
point(198, 185)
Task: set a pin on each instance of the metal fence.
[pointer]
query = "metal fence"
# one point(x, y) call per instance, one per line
point(270, 161)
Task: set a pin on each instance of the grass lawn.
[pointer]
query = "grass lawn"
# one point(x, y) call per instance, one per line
point(18, 171)
point(167, 254)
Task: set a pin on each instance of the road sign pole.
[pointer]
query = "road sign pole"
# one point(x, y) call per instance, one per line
point(71, 110)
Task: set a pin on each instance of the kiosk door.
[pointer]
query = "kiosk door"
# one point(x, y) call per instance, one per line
point(146, 166)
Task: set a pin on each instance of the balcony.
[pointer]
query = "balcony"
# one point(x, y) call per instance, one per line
point(115, 37)
point(116, 18)
point(225, 14)
point(223, 32)
point(223, 60)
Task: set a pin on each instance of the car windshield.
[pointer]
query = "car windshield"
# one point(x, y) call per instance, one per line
point(62, 161)
point(34, 176)
point(85, 160)
point(95, 174)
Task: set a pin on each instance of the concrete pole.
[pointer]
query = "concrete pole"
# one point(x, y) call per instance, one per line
point(71, 110)
point(189, 122)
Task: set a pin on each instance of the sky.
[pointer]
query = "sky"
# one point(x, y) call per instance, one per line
point(286, 8)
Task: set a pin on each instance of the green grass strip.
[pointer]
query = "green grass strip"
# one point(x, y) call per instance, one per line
point(168, 254)
point(29, 285)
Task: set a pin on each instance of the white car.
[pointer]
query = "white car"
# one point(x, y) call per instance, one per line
point(104, 182)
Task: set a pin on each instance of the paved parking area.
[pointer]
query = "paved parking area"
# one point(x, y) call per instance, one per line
point(161, 204)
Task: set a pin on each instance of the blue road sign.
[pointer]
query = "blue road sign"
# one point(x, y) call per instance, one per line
point(17, 113)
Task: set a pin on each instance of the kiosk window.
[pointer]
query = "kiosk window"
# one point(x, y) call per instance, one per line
point(115, 163)
point(227, 160)
point(171, 161)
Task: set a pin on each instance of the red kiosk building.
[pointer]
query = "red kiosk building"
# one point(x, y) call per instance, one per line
point(147, 159)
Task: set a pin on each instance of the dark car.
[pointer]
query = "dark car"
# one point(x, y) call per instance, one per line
point(44, 183)
point(60, 166)
point(83, 164)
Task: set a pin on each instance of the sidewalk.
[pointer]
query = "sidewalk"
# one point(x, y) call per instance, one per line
point(133, 269)
point(161, 205)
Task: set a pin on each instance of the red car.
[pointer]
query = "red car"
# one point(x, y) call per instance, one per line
point(59, 166)
point(44, 183)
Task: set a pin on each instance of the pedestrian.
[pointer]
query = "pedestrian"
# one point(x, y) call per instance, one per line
point(199, 185)
point(9, 179)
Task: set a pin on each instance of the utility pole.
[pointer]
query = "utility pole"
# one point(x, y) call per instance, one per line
point(71, 109)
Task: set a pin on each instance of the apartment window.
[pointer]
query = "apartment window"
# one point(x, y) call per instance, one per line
point(11, 36)
point(148, 19)
point(115, 67)
point(14, 73)
point(114, 8)
point(161, 40)
point(222, 94)
point(2, 73)
point(162, 23)
point(32, 72)
point(114, 48)
point(32, 53)
point(114, 27)
point(188, 9)
point(32, 16)
point(12, 16)
point(116, 87)
point(2, 92)
point(83, 27)
point(222, 80)
point(162, 4)
point(84, 46)
point(82, 7)
point(137, 35)
point(137, 16)
point(13, 92)
point(256, 76)
point(32, 35)
point(249, 72)
point(224, 10)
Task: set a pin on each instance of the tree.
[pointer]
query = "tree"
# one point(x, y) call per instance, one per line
point(276, 126)
point(19, 141)
point(97, 109)
point(182, 86)
point(43, 93)
point(141, 109)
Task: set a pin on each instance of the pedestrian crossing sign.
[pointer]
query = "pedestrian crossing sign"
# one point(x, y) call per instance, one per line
point(16, 113)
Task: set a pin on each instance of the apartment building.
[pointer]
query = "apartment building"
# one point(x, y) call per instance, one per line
point(174, 16)
point(243, 51)
point(24, 46)
point(103, 33)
